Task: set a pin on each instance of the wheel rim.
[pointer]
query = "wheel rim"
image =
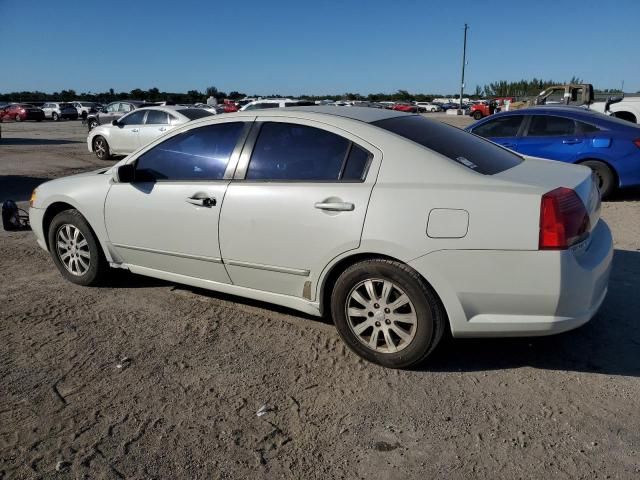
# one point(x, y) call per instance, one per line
point(73, 250)
point(381, 315)
point(100, 147)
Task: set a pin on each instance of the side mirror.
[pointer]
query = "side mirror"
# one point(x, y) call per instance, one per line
point(126, 173)
point(115, 123)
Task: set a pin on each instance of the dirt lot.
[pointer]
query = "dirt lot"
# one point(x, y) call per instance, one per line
point(146, 379)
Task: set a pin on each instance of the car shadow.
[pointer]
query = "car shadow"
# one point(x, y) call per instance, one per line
point(35, 141)
point(609, 344)
point(18, 187)
point(625, 195)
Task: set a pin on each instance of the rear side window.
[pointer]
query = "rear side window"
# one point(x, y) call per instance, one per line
point(198, 154)
point(587, 127)
point(156, 117)
point(285, 151)
point(469, 150)
point(500, 127)
point(260, 106)
point(357, 164)
point(550, 126)
point(194, 113)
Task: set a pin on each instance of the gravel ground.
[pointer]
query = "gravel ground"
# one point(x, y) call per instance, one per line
point(146, 379)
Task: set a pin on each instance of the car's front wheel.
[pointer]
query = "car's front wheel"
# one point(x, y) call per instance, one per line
point(101, 147)
point(477, 115)
point(91, 124)
point(386, 313)
point(75, 249)
point(55, 117)
point(18, 118)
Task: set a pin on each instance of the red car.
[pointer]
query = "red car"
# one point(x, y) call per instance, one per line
point(405, 107)
point(20, 112)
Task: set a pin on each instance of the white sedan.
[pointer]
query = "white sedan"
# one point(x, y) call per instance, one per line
point(136, 129)
point(396, 226)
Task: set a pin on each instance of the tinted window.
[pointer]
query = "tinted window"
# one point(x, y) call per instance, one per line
point(547, 126)
point(113, 107)
point(587, 128)
point(156, 117)
point(136, 118)
point(199, 154)
point(286, 151)
point(357, 164)
point(500, 127)
point(468, 150)
point(194, 113)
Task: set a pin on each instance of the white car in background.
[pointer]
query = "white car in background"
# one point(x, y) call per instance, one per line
point(627, 109)
point(427, 107)
point(138, 128)
point(275, 103)
point(83, 108)
point(398, 227)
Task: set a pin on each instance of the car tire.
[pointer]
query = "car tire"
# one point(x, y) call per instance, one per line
point(75, 249)
point(91, 124)
point(101, 147)
point(405, 333)
point(55, 117)
point(18, 119)
point(606, 177)
point(477, 115)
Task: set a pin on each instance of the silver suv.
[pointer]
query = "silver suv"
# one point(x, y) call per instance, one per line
point(56, 110)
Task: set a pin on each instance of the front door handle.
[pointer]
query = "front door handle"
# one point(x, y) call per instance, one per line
point(162, 129)
point(573, 141)
point(134, 130)
point(202, 202)
point(335, 206)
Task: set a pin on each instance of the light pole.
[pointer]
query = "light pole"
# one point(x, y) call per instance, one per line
point(464, 60)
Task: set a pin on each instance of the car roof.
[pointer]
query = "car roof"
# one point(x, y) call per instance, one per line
point(363, 114)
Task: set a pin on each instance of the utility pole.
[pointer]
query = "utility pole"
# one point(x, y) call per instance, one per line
point(464, 61)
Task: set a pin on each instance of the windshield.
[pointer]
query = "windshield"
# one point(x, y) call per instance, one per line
point(194, 113)
point(469, 150)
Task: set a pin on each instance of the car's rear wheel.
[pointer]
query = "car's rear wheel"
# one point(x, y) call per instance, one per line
point(101, 147)
point(605, 176)
point(93, 123)
point(477, 115)
point(75, 249)
point(18, 118)
point(386, 313)
point(55, 117)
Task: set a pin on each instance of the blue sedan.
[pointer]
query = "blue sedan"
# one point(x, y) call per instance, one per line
point(610, 146)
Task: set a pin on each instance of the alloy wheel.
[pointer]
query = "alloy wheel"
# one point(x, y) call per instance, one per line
point(100, 146)
point(73, 250)
point(381, 315)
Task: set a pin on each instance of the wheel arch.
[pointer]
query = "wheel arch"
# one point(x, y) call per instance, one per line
point(334, 271)
point(626, 115)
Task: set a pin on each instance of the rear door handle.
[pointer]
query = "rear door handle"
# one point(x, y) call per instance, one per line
point(335, 206)
point(572, 141)
point(134, 130)
point(202, 202)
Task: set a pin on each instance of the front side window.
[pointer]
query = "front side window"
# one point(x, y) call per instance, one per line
point(285, 151)
point(125, 107)
point(551, 126)
point(468, 150)
point(500, 127)
point(113, 107)
point(157, 117)
point(136, 118)
point(197, 154)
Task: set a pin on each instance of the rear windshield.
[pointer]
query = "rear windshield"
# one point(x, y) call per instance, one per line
point(194, 113)
point(469, 150)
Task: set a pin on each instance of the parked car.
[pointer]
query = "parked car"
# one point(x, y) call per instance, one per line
point(608, 145)
point(214, 109)
point(275, 103)
point(427, 107)
point(59, 110)
point(20, 112)
point(138, 128)
point(84, 108)
point(627, 109)
point(405, 107)
point(113, 111)
point(458, 234)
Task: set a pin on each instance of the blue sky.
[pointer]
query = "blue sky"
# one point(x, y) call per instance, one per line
point(315, 47)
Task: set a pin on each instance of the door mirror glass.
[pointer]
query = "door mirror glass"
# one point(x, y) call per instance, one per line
point(114, 123)
point(126, 173)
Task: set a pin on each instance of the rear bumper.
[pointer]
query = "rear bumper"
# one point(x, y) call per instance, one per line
point(521, 293)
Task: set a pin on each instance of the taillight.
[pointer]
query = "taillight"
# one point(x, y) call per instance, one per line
point(564, 220)
point(637, 142)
